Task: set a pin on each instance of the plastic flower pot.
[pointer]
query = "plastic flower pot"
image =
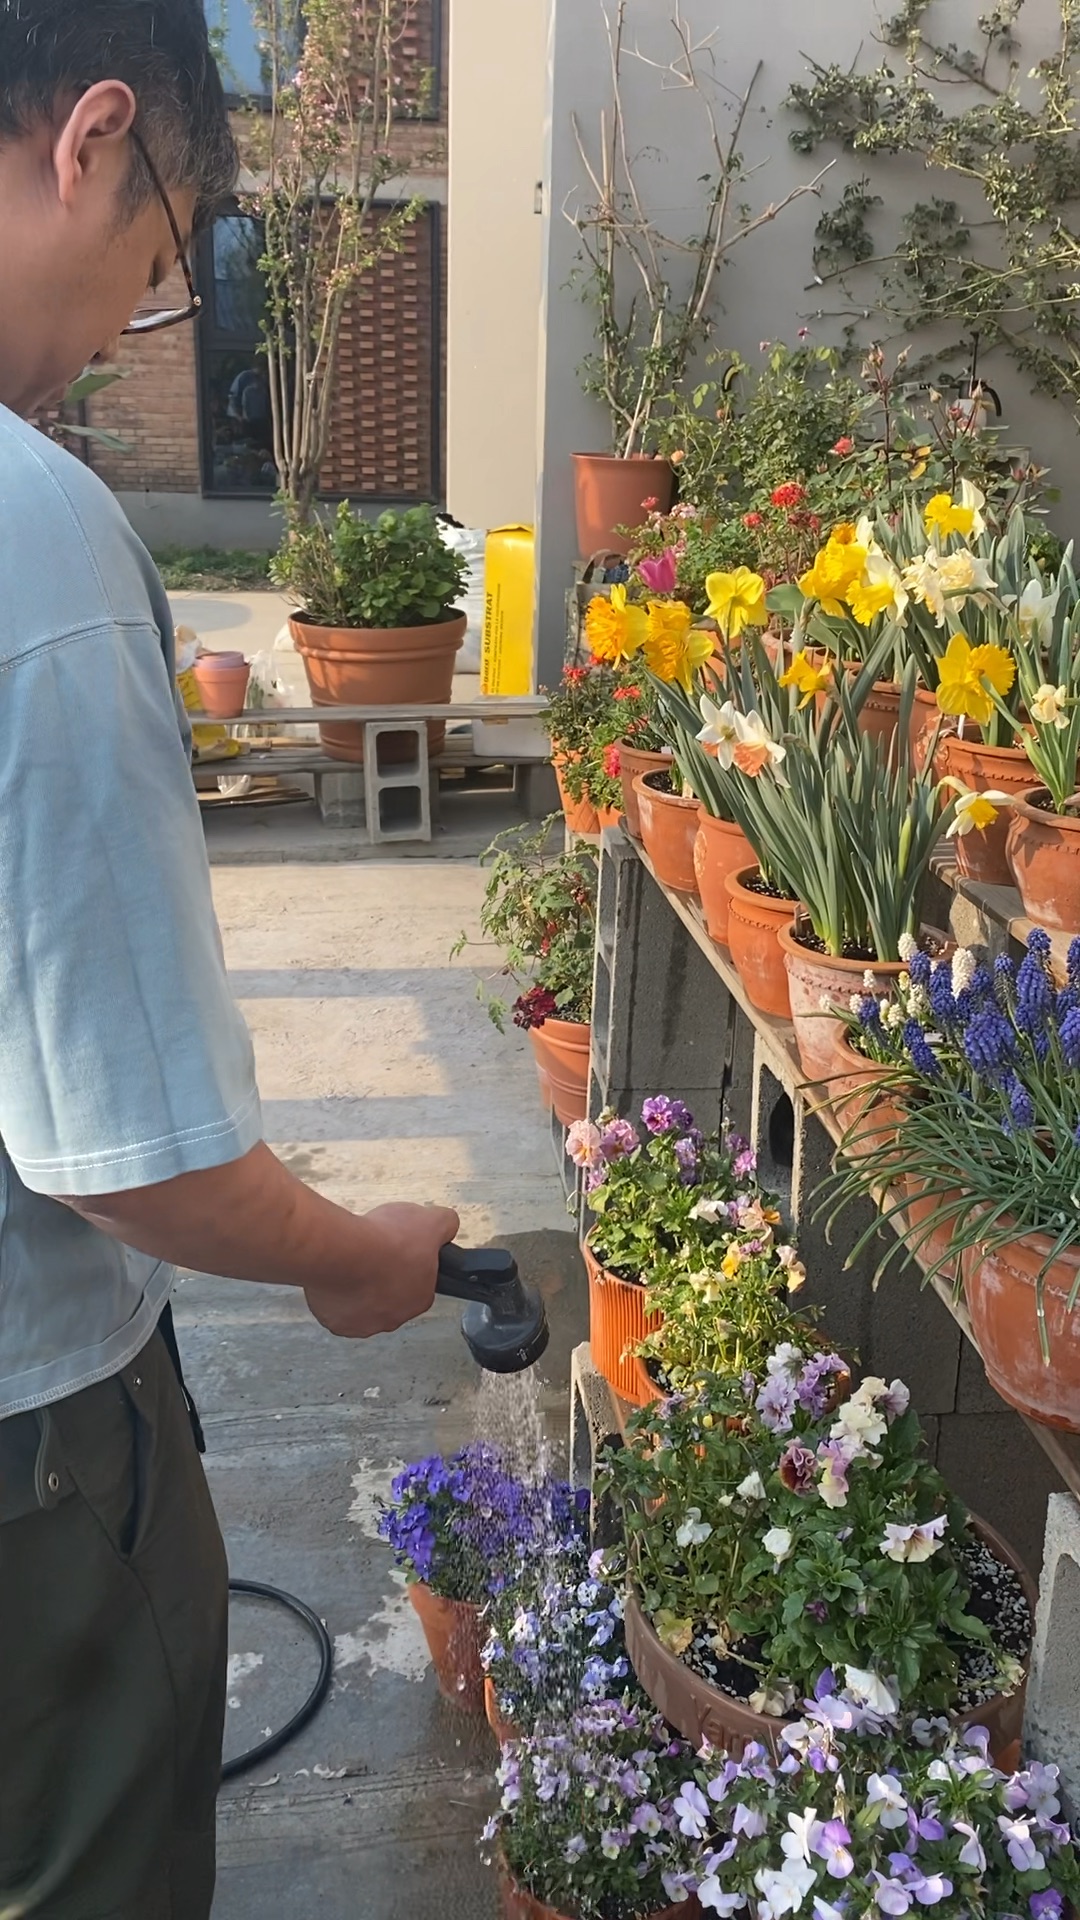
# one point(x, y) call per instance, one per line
point(222, 680)
point(453, 1633)
point(754, 923)
point(505, 1732)
point(517, 1904)
point(1001, 1289)
point(562, 1050)
point(379, 667)
point(669, 828)
point(816, 977)
point(719, 849)
point(618, 1323)
point(632, 761)
point(1044, 854)
point(705, 1715)
point(611, 493)
point(984, 855)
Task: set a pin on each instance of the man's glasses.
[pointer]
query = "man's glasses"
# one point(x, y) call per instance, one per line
point(153, 319)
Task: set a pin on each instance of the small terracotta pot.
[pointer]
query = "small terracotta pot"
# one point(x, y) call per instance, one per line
point(719, 849)
point(984, 855)
point(580, 815)
point(562, 1051)
point(704, 1715)
point(222, 680)
point(813, 977)
point(1002, 1298)
point(379, 667)
point(754, 923)
point(516, 1904)
point(632, 761)
point(453, 1632)
point(880, 715)
point(925, 716)
point(610, 493)
point(869, 1120)
point(1044, 854)
point(669, 827)
point(618, 1323)
point(504, 1732)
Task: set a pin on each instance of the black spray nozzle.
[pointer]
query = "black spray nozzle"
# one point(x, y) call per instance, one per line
point(505, 1326)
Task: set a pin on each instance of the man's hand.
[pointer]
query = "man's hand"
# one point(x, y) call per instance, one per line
point(400, 1276)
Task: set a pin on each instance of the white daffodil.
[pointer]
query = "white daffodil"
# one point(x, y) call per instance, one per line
point(970, 496)
point(963, 574)
point(1049, 705)
point(880, 571)
point(923, 582)
point(977, 811)
point(756, 747)
point(721, 729)
point(1035, 611)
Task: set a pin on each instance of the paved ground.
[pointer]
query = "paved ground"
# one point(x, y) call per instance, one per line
point(381, 1077)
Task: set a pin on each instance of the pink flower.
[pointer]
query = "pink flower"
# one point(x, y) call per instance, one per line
point(844, 445)
point(660, 575)
point(583, 1144)
point(650, 505)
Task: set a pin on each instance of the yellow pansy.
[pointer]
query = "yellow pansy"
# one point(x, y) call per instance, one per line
point(736, 601)
point(963, 676)
point(835, 571)
point(673, 650)
point(732, 1261)
point(808, 678)
point(615, 629)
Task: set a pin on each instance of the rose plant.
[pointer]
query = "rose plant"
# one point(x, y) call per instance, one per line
point(540, 908)
point(582, 716)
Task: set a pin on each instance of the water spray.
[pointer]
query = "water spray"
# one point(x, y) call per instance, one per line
point(505, 1326)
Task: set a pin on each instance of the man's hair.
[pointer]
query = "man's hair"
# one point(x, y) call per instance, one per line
point(160, 49)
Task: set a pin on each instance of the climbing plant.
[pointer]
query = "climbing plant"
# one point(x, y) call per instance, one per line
point(1001, 259)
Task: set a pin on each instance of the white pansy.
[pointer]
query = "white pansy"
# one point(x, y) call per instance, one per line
point(694, 1530)
point(778, 1542)
point(752, 1488)
point(869, 1690)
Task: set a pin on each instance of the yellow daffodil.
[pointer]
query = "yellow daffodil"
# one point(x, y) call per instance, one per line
point(615, 629)
point(736, 601)
point(963, 674)
point(808, 678)
point(835, 570)
point(977, 811)
point(1049, 706)
point(673, 651)
point(973, 501)
point(867, 601)
point(944, 515)
point(845, 534)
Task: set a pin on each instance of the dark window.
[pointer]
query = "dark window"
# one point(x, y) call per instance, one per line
point(237, 437)
point(232, 25)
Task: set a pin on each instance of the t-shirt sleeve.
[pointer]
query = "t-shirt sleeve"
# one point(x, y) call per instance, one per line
point(124, 1060)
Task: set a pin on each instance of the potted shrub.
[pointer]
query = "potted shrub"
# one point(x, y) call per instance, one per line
point(588, 1823)
point(869, 1815)
point(540, 908)
point(659, 1196)
point(460, 1528)
point(772, 1534)
point(984, 1072)
point(632, 742)
point(376, 622)
point(555, 1638)
point(581, 718)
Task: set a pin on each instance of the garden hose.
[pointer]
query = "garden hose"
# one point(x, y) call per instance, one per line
point(244, 1762)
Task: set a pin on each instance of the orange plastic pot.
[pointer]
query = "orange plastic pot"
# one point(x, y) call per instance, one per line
point(561, 1049)
point(504, 1732)
point(1001, 1289)
point(516, 1904)
point(754, 923)
point(719, 849)
point(611, 493)
point(1044, 854)
point(222, 680)
point(453, 1633)
point(632, 761)
point(618, 1323)
point(379, 667)
point(984, 855)
point(669, 828)
point(816, 977)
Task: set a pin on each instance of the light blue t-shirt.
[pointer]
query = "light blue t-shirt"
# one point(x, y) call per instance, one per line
point(123, 1059)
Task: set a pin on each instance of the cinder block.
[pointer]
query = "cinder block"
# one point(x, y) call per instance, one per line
point(397, 795)
point(340, 797)
point(1052, 1725)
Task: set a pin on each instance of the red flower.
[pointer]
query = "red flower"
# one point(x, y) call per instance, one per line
point(789, 495)
point(534, 1007)
point(573, 676)
point(751, 519)
point(627, 693)
point(650, 504)
point(844, 445)
point(612, 765)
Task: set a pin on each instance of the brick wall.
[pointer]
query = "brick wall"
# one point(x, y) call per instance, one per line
point(154, 410)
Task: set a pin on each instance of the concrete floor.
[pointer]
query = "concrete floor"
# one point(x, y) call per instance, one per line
point(381, 1077)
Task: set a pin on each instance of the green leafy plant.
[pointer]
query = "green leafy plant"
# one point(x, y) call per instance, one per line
point(729, 1316)
point(1044, 715)
point(394, 571)
point(583, 718)
point(540, 909)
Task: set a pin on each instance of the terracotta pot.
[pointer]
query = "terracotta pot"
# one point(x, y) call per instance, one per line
point(880, 715)
point(632, 761)
point(706, 1716)
point(562, 1049)
point(580, 815)
point(618, 1323)
point(754, 923)
point(505, 1733)
point(719, 849)
point(925, 715)
point(669, 828)
point(222, 680)
point(516, 1904)
point(379, 667)
point(869, 1121)
point(610, 493)
point(647, 1389)
point(1001, 1293)
point(453, 1632)
point(1044, 854)
point(608, 816)
point(928, 1248)
point(813, 977)
point(984, 856)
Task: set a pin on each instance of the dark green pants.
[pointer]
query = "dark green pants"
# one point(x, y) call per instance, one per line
point(113, 1638)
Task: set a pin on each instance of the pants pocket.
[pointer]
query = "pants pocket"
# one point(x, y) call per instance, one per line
point(105, 1447)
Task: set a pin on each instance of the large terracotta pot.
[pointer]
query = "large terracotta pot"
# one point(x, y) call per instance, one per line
point(669, 828)
point(814, 977)
point(1044, 854)
point(632, 761)
point(453, 1632)
point(1002, 1295)
point(379, 667)
point(618, 1323)
point(706, 1716)
point(516, 1904)
point(562, 1049)
point(984, 856)
point(610, 493)
point(719, 849)
point(925, 717)
point(869, 1120)
point(754, 923)
point(222, 680)
point(928, 1248)
point(504, 1732)
point(580, 815)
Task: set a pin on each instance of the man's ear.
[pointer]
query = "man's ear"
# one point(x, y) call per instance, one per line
point(91, 138)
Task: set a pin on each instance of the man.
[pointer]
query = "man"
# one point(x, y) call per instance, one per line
point(129, 1118)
